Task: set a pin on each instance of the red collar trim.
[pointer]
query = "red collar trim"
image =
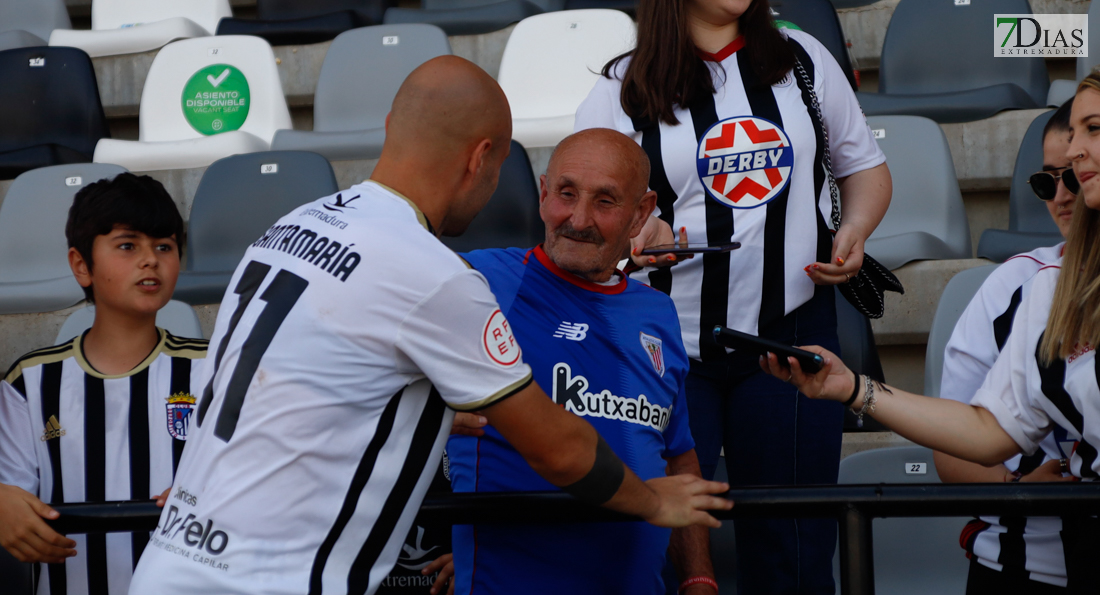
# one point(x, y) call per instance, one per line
point(723, 53)
point(575, 280)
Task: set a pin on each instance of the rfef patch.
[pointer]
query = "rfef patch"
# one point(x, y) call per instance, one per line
point(745, 161)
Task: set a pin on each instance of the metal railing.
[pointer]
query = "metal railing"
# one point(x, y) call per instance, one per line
point(854, 506)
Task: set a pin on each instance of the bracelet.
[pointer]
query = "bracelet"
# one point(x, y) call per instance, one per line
point(868, 401)
point(855, 390)
point(1015, 475)
point(698, 580)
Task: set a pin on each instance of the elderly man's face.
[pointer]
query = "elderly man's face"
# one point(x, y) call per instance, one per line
point(591, 208)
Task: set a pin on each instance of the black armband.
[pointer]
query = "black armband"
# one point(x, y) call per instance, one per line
point(602, 480)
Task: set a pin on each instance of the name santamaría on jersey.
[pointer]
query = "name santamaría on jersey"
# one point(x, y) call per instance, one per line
point(306, 244)
point(572, 393)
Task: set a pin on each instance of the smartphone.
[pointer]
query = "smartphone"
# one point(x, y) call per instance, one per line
point(691, 249)
point(810, 362)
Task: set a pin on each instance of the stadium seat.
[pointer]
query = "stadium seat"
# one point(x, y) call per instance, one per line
point(569, 48)
point(511, 218)
point(52, 113)
point(131, 26)
point(926, 219)
point(852, 3)
point(177, 131)
point(913, 556)
point(285, 22)
point(952, 75)
point(954, 299)
point(1061, 90)
point(27, 24)
point(471, 17)
point(237, 199)
point(359, 79)
point(175, 317)
point(818, 18)
point(34, 264)
point(630, 7)
point(1029, 222)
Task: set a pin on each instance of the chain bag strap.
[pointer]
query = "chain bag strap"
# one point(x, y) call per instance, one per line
point(866, 288)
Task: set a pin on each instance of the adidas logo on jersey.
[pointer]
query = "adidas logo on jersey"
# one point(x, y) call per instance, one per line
point(572, 331)
point(53, 429)
point(572, 393)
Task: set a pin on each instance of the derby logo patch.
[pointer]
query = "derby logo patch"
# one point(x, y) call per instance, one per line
point(745, 161)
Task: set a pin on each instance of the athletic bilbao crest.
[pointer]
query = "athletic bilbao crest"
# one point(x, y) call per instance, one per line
point(179, 409)
point(652, 346)
point(744, 161)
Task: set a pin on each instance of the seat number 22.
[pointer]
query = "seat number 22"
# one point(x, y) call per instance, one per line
point(279, 297)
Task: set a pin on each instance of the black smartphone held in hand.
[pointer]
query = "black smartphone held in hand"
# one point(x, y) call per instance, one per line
point(811, 362)
point(678, 250)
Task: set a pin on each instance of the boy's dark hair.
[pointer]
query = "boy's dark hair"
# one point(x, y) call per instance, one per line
point(1059, 122)
point(139, 203)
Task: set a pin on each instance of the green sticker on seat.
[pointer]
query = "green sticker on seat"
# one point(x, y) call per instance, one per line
point(216, 99)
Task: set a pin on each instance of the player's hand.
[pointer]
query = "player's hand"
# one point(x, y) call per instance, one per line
point(446, 566)
point(657, 232)
point(684, 498)
point(847, 259)
point(468, 424)
point(163, 497)
point(832, 382)
point(23, 532)
point(1048, 471)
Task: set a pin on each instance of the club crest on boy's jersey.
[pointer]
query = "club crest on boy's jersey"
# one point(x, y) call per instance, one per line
point(572, 393)
point(652, 346)
point(744, 161)
point(179, 408)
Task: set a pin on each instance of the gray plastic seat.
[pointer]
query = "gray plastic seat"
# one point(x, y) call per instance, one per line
point(511, 217)
point(234, 205)
point(818, 18)
point(852, 3)
point(1061, 90)
point(359, 78)
point(471, 17)
point(175, 317)
point(952, 75)
point(1029, 223)
point(913, 556)
point(926, 219)
point(34, 266)
point(954, 299)
point(28, 23)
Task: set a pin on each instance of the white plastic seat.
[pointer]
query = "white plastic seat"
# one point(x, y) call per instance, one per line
point(34, 264)
point(175, 317)
point(169, 140)
point(131, 26)
point(570, 48)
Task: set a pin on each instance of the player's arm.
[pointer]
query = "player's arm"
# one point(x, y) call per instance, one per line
point(569, 453)
point(690, 546)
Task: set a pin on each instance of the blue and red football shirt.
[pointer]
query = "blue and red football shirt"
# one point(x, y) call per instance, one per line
point(613, 355)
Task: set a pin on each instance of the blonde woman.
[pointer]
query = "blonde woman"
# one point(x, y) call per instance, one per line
point(1047, 374)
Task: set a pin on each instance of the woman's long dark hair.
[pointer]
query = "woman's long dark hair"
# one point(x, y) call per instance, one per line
point(666, 71)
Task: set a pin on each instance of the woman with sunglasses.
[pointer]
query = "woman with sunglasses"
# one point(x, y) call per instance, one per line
point(1046, 375)
point(1015, 553)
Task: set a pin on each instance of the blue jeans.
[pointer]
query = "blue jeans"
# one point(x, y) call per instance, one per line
point(773, 435)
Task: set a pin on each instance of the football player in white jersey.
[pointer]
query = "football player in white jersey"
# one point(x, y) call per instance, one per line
point(347, 337)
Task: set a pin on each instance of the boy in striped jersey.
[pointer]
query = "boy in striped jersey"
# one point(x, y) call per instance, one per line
point(105, 415)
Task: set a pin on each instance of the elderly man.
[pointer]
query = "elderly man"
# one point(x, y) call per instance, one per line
point(608, 349)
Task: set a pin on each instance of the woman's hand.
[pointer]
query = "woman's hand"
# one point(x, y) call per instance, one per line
point(1047, 472)
point(446, 566)
point(833, 382)
point(847, 259)
point(657, 232)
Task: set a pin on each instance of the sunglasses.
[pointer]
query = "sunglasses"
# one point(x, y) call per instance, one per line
point(1045, 184)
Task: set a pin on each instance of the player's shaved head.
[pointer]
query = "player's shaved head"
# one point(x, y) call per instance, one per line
point(445, 105)
point(628, 161)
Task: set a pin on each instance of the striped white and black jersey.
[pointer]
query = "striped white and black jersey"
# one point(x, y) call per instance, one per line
point(70, 434)
point(745, 165)
point(1028, 547)
point(347, 335)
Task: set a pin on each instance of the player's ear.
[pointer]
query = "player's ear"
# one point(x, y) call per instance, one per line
point(80, 268)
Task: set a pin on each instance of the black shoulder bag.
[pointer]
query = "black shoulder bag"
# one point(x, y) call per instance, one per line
point(865, 289)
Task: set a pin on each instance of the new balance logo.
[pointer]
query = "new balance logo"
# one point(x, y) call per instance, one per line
point(53, 429)
point(572, 331)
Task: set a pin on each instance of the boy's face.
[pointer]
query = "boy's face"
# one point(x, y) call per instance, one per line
point(132, 272)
